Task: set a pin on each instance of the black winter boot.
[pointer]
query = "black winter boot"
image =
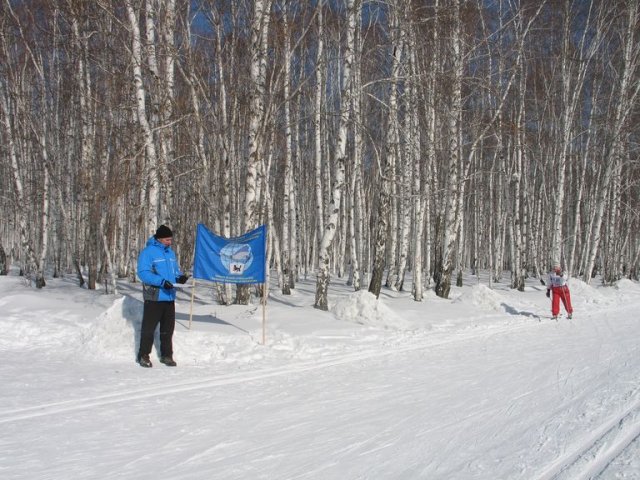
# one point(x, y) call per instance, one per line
point(168, 361)
point(144, 361)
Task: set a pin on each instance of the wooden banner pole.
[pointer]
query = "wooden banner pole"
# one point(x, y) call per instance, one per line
point(193, 294)
point(264, 313)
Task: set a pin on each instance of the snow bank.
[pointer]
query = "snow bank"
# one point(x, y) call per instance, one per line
point(580, 291)
point(116, 331)
point(482, 296)
point(363, 307)
point(38, 321)
point(627, 286)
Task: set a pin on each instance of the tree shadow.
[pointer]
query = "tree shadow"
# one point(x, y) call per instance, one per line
point(283, 301)
point(182, 319)
point(132, 309)
point(514, 311)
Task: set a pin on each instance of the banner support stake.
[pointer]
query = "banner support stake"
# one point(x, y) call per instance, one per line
point(264, 313)
point(193, 294)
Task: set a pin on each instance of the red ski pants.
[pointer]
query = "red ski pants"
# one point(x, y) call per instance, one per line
point(560, 293)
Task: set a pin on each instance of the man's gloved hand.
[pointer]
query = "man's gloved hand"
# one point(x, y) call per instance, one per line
point(182, 279)
point(548, 293)
point(167, 285)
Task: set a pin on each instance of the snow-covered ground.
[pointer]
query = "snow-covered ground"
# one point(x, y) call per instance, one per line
point(481, 386)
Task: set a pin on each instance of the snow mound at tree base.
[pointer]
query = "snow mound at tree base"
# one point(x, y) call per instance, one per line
point(364, 308)
point(482, 296)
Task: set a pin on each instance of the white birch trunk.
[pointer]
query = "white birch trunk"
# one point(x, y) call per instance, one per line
point(259, 29)
point(391, 262)
point(259, 25)
point(31, 261)
point(355, 226)
point(293, 202)
point(406, 204)
point(287, 180)
point(431, 122)
point(44, 225)
point(111, 286)
point(87, 143)
point(151, 186)
point(517, 273)
point(274, 239)
point(318, 97)
point(161, 91)
point(406, 209)
point(227, 148)
point(342, 238)
point(323, 277)
point(166, 109)
point(452, 191)
point(386, 177)
point(415, 170)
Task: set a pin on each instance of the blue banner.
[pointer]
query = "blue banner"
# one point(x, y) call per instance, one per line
point(231, 260)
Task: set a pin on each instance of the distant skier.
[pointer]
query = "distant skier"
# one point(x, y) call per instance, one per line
point(557, 284)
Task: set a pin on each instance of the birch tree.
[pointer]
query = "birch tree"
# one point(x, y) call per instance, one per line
point(32, 264)
point(627, 96)
point(453, 186)
point(287, 199)
point(387, 170)
point(411, 201)
point(355, 184)
point(32, 63)
point(266, 123)
point(413, 155)
point(259, 27)
point(317, 124)
point(572, 75)
point(151, 188)
point(340, 153)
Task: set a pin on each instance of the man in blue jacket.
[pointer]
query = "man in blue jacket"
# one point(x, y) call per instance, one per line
point(158, 270)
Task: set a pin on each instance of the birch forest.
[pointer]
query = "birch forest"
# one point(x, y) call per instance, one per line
point(385, 144)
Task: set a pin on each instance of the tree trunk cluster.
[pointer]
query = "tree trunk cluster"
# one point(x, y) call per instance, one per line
point(379, 141)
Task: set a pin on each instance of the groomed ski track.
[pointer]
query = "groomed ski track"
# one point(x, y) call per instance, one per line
point(242, 377)
point(588, 456)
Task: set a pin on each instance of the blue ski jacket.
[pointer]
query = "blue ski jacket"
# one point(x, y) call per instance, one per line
point(156, 264)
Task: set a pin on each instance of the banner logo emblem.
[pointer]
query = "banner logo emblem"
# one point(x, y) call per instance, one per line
point(236, 258)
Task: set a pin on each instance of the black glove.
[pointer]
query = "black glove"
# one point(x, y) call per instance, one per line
point(182, 279)
point(548, 293)
point(167, 285)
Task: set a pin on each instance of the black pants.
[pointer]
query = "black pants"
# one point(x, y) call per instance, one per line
point(163, 313)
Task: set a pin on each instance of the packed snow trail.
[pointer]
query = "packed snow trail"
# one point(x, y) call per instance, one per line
point(481, 386)
point(66, 406)
point(590, 457)
point(500, 403)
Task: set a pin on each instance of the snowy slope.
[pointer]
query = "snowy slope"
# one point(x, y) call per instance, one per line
point(481, 386)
